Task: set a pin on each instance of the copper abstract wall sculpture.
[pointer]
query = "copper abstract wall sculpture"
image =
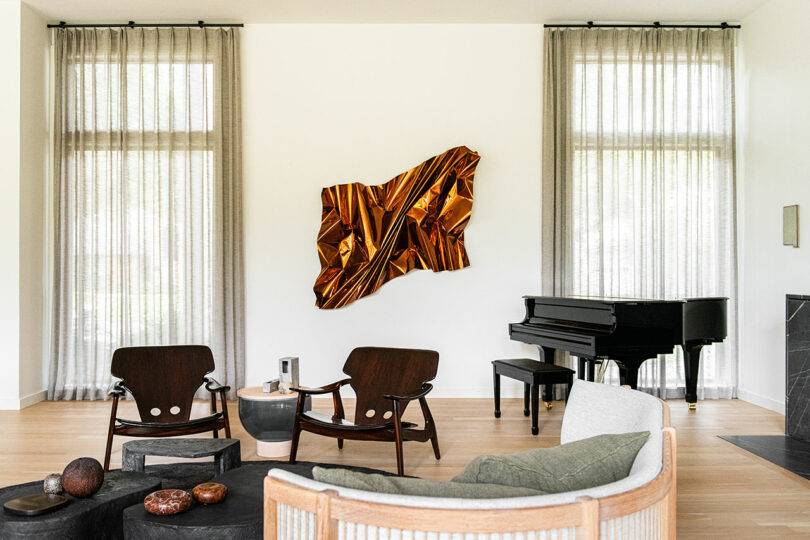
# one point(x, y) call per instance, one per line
point(372, 234)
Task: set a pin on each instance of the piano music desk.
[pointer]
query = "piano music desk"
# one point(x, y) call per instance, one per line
point(532, 374)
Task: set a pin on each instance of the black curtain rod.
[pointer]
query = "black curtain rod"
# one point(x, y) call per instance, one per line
point(590, 24)
point(132, 24)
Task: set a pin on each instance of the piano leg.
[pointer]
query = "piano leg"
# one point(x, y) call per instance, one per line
point(691, 365)
point(628, 371)
point(629, 377)
point(547, 354)
point(586, 369)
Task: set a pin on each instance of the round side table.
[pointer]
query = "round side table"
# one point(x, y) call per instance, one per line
point(268, 417)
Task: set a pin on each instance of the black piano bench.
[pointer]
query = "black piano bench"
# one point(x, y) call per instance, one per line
point(532, 374)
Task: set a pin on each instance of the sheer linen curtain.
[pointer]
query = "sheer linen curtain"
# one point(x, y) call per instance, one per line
point(147, 200)
point(639, 178)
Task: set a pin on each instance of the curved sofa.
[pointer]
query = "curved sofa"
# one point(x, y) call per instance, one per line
point(639, 506)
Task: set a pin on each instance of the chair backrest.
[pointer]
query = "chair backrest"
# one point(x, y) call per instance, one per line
point(379, 371)
point(163, 380)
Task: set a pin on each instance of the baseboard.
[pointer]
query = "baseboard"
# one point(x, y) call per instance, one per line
point(36, 397)
point(11, 404)
point(762, 401)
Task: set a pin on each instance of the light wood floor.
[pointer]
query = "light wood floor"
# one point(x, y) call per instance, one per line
point(723, 491)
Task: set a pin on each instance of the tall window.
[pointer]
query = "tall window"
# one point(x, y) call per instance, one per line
point(147, 193)
point(640, 179)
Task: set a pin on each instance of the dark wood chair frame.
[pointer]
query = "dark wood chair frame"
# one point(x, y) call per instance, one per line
point(396, 430)
point(161, 427)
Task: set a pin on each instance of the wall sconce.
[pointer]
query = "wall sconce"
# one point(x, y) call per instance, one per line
point(790, 225)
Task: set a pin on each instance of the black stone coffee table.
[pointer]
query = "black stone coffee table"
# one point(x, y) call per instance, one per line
point(96, 517)
point(239, 516)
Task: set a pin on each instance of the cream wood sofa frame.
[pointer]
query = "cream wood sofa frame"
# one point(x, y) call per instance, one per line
point(297, 512)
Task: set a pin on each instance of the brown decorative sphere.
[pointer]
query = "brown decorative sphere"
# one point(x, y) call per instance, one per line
point(167, 502)
point(82, 477)
point(210, 492)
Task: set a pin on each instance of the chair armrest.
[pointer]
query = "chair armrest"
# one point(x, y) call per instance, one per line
point(329, 388)
point(212, 385)
point(426, 388)
point(117, 389)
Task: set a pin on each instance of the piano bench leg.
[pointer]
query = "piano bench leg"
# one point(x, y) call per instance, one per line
point(496, 380)
point(535, 406)
point(526, 392)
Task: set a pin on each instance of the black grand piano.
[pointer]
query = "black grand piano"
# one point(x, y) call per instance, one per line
point(625, 330)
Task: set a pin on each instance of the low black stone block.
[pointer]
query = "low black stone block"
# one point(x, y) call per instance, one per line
point(96, 517)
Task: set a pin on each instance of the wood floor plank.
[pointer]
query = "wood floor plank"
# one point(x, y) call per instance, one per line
point(723, 491)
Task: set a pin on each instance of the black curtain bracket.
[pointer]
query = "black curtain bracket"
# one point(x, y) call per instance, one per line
point(133, 24)
point(656, 24)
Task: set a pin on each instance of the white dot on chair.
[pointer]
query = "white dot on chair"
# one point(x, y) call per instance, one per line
point(388, 414)
point(175, 410)
point(370, 413)
point(155, 411)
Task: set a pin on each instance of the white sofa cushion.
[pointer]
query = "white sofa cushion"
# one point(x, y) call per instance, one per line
point(594, 409)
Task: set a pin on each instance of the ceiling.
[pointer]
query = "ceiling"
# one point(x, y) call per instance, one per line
point(395, 11)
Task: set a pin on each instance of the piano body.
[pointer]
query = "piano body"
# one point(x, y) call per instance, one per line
point(628, 331)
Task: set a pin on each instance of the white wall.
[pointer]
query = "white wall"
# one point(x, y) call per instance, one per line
point(23, 40)
point(33, 160)
point(9, 203)
point(329, 104)
point(774, 113)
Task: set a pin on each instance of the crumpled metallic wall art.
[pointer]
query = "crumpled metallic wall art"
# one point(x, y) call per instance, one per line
point(372, 234)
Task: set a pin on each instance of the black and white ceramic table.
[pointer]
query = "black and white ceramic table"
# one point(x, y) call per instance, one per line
point(268, 417)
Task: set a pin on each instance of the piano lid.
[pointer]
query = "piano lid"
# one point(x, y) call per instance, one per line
point(607, 299)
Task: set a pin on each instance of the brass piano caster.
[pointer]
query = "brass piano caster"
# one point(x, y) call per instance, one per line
point(548, 405)
point(692, 406)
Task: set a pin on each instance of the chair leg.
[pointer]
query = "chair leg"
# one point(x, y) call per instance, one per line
point(430, 425)
point(434, 441)
point(110, 434)
point(339, 414)
point(299, 410)
point(213, 411)
point(294, 441)
point(398, 439)
point(225, 416)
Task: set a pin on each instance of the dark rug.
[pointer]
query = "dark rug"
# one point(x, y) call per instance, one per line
point(786, 452)
point(188, 474)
